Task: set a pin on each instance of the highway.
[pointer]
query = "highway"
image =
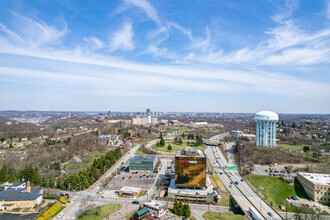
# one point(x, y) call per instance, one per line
point(242, 193)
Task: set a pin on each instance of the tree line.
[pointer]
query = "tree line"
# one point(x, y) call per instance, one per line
point(76, 181)
point(86, 177)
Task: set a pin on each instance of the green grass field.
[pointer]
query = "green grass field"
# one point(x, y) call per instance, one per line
point(223, 216)
point(73, 167)
point(276, 190)
point(176, 147)
point(103, 210)
point(224, 201)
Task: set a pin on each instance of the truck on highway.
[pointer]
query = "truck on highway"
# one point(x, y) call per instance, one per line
point(254, 213)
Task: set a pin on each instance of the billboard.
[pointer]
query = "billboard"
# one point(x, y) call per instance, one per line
point(190, 171)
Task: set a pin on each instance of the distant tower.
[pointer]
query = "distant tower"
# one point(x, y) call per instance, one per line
point(266, 128)
point(148, 111)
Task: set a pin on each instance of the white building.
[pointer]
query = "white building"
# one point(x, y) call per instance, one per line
point(156, 209)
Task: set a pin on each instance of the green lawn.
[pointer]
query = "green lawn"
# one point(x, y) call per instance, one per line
point(223, 216)
point(176, 147)
point(275, 189)
point(73, 167)
point(103, 210)
point(184, 129)
point(224, 201)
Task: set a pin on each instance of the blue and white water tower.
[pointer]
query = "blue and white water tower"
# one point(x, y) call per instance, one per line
point(266, 128)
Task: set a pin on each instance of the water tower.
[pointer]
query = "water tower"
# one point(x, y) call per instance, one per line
point(266, 128)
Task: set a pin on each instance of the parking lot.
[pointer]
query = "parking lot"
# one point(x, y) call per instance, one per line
point(142, 179)
point(272, 171)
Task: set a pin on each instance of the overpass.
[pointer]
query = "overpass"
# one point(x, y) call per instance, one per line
point(243, 194)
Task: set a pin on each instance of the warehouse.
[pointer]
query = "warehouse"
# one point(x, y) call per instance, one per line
point(142, 162)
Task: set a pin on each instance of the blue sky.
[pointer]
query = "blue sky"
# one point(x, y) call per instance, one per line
point(210, 56)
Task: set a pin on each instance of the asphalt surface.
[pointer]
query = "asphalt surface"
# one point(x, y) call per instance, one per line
point(241, 192)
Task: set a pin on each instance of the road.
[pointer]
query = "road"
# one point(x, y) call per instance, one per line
point(72, 210)
point(242, 193)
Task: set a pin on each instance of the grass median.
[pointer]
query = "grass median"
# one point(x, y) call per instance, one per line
point(223, 216)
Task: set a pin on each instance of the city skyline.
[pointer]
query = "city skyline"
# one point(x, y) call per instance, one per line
point(171, 56)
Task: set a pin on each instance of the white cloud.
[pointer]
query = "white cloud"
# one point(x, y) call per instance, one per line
point(33, 32)
point(123, 38)
point(94, 43)
point(147, 8)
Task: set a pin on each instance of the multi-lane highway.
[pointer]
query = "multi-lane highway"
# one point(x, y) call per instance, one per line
point(241, 192)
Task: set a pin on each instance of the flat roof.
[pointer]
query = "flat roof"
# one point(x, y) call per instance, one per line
point(155, 204)
point(317, 178)
point(143, 158)
point(130, 189)
point(203, 192)
point(189, 152)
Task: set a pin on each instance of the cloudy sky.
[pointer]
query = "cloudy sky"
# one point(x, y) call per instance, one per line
point(187, 55)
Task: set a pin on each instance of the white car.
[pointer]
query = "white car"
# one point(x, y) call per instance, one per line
point(60, 215)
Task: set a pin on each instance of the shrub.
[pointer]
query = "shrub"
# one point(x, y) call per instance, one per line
point(63, 199)
point(50, 212)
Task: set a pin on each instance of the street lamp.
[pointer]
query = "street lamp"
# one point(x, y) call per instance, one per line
point(260, 188)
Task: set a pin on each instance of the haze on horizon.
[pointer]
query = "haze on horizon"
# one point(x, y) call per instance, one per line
point(200, 56)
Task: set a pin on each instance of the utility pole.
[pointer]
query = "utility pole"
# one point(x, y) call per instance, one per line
point(241, 158)
point(286, 209)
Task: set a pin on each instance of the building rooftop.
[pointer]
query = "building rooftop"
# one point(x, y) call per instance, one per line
point(141, 212)
point(130, 189)
point(155, 204)
point(143, 158)
point(208, 191)
point(317, 178)
point(14, 192)
point(189, 152)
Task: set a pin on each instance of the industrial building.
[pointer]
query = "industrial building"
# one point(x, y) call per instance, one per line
point(266, 128)
point(190, 169)
point(142, 162)
point(19, 195)
point(316, 186)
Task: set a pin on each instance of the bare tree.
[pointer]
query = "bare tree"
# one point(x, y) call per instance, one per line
point(87, 203)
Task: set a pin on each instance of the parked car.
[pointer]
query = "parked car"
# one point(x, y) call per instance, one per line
point(236, 182)
point(241, 180)
point(135, 202)
point(61, 194)
point(289, 198)
point(270, 214)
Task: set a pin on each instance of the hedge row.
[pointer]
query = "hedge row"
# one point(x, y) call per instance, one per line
point(50, 212)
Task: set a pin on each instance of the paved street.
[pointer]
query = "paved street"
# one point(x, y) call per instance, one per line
point(242, 193)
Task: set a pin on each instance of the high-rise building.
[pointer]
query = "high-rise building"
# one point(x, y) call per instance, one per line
point(148, 111)
point(266, 128)
point(190, 169)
